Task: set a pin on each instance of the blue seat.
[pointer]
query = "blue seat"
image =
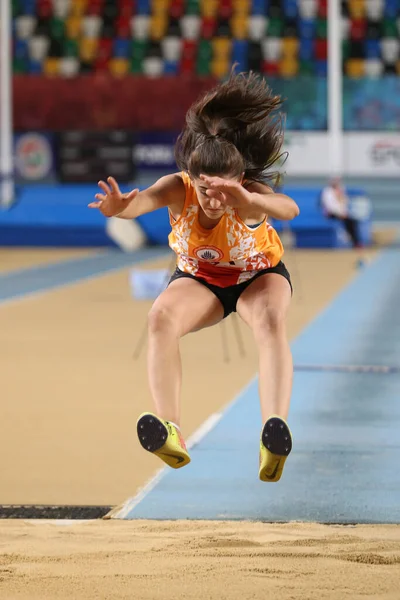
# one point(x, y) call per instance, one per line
point(372, 49)
point(391, 9)
point(143, 7)
point(28, 7)
point(290, 8)
point(240, 54)
point(259, 7)
point(35, 67)
point(321, 68)
point(307, 28)
point(306, 49)
point(20, 49)
point(171, 67)
point(121, 48)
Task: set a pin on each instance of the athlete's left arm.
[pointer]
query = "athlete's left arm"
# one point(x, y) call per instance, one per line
point(263, 199)
point(253, 198)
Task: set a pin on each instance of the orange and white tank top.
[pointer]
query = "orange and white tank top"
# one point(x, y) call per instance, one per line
point(228, 254)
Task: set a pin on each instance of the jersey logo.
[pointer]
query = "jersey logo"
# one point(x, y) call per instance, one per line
point(210, 253)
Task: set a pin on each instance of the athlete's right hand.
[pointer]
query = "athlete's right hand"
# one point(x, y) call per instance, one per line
point(113, 201)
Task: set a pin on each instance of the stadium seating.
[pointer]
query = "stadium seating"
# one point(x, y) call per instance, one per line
point(279, 37)
point(285, 40)
point(65, 37)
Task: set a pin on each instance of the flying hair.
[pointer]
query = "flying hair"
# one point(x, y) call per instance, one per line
point(235, 128)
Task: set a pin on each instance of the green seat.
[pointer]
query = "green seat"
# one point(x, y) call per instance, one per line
point(71, 48)
point(16, 8)
point(390, 28)
point(204, 50)
point(275, 28)
point(136, 66)
point(57, 29)
point(322, 28)
point(306, 67)
point(138, 49)
point(203, 66)
point(204, 57)
point(193, 7)
point(345, 49)
point(19, 66)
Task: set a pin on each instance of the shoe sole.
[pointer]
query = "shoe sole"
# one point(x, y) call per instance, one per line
point(153, 436)
point(277, 440)
point(276, 437)
point(152, 433)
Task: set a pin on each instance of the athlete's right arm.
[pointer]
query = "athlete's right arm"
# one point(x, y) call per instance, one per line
point(167, 191)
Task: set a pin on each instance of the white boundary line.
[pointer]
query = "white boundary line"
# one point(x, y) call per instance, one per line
point(59, 286)
point(121, 512)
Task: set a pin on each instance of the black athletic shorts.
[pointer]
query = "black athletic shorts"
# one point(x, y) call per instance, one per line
point(228, 296)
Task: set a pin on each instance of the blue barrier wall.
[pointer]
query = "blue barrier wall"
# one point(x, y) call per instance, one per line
point(57, 215)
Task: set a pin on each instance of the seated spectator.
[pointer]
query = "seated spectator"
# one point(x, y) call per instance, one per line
point(335, 205)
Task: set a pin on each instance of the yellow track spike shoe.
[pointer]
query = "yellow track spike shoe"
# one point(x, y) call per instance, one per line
point(163, 439)
point(275, 447)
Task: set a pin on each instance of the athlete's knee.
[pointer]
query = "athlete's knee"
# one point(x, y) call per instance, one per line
point(161, 319)
point(269, 321)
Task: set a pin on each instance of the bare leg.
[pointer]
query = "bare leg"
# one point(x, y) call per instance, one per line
point(185, 306)
point(263, 306)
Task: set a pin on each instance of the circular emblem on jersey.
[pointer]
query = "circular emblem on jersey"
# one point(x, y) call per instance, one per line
point(210, 253)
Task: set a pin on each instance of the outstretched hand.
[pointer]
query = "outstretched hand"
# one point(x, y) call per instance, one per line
point(113, 201)
point(228, 191)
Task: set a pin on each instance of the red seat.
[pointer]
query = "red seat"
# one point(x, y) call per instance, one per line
point(95, 7)
point(101, 64)
point(44, 9)
point(323, 9)
point(123, 26)
point(187, 65)
point(177, 9)
point(189, 49)
point(105, 49)
point(321, 49)
point(208, 27)
point(270, 68)
point(225, 9)
point(126, 8)
point(358, 29)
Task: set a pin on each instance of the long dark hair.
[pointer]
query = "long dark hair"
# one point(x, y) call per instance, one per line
point(235, 128)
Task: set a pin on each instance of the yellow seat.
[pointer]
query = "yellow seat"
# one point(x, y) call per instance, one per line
point(73, 26)
point(159, 7)
point(288, 67)
point(78, 7)
point(355, 68)
point(222, 48)
point(241, 7)
point(119, 67)
point(240, 27)
point(209, 8)
point(88, 49)
point(357, 9)
point(51, 66)
point(158, 26)
point(290, 47)
point(220, 68)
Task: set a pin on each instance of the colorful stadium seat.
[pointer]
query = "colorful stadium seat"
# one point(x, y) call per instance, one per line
point(281, 38)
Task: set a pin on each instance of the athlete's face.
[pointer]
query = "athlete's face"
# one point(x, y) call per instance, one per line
point(212, 203)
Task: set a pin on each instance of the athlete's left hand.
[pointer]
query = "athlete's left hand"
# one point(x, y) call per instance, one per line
point(229, 191)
